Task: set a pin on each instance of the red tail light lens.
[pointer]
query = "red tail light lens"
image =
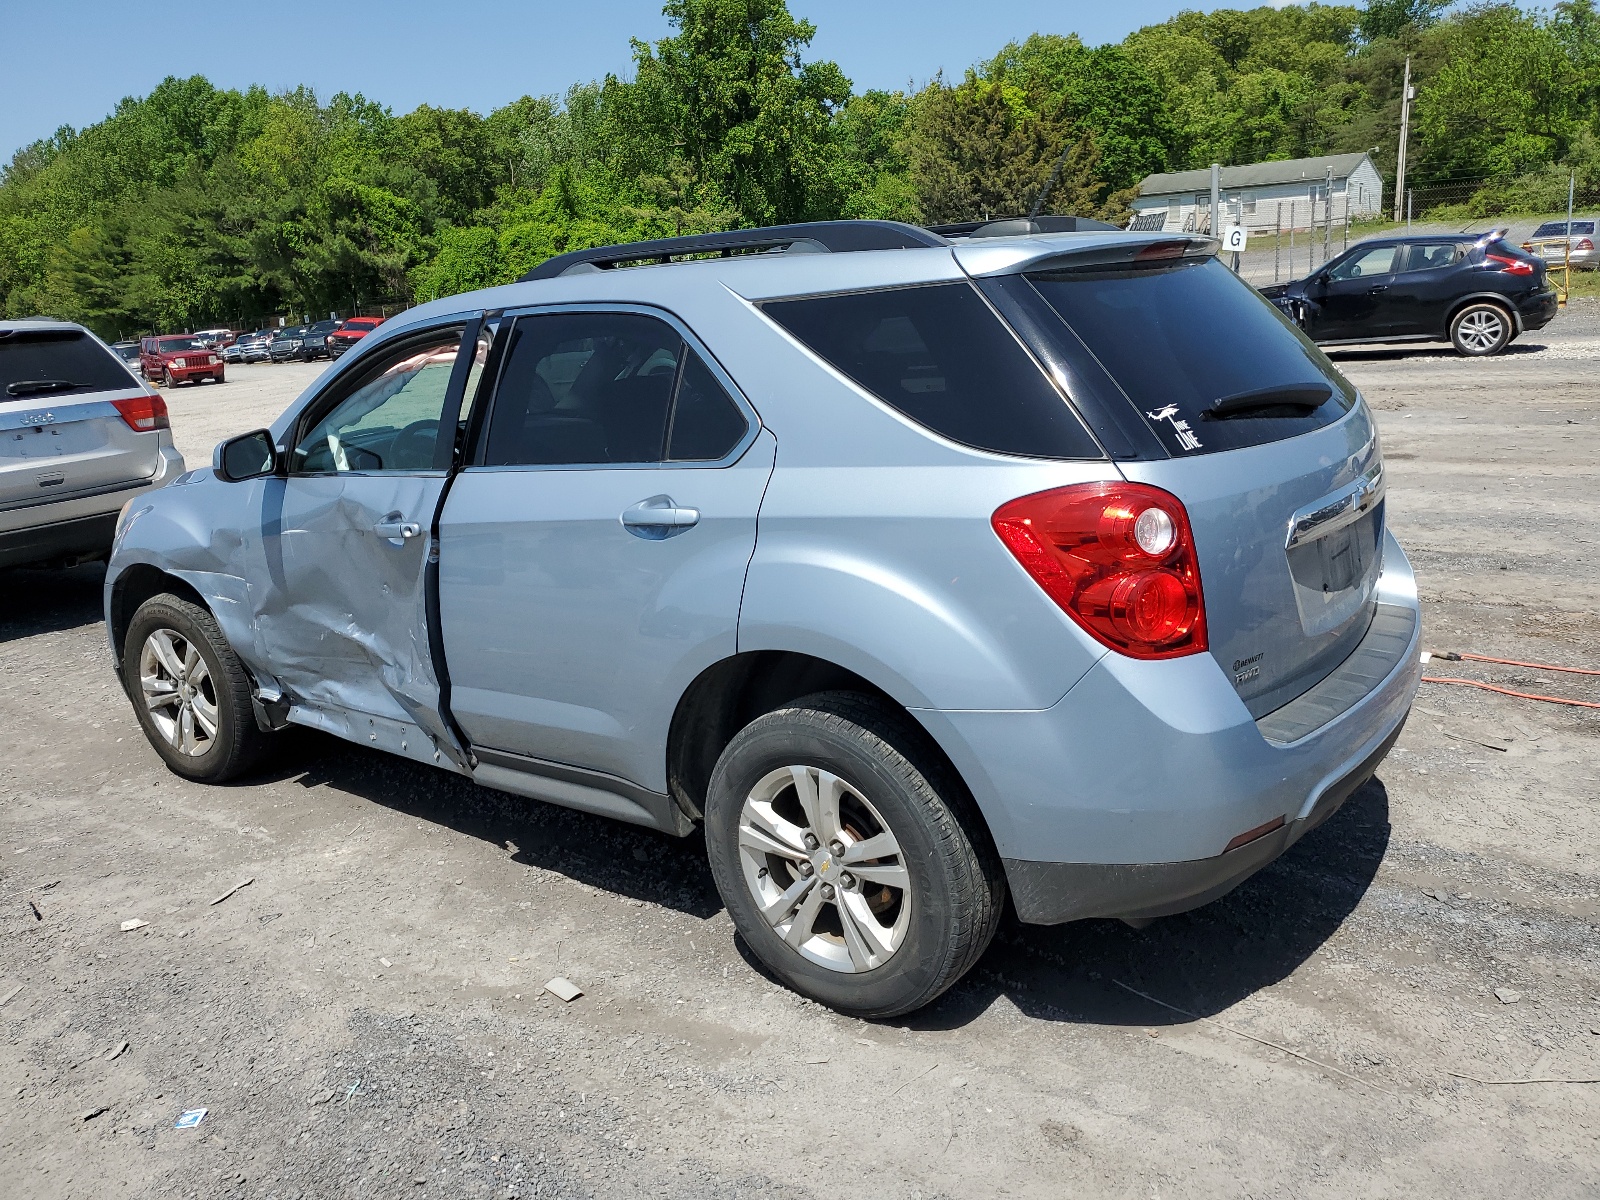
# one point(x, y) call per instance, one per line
point(1584, 244)
point(144, 413)
point(1119, 558)
point(1511, 266)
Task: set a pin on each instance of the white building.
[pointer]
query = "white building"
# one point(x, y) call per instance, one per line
point(1291, 194)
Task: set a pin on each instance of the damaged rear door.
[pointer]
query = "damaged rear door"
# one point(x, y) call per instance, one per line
point(348, 535)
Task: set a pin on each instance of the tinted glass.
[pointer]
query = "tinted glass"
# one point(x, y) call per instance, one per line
point(1380, 260)
point(56, 362)
point(583, 388)
point(1176, 339)
point(1552, 229)
point(706, 423)
point(170, 345)
point(938, 355)
point(1430, 256)
point(390, 420)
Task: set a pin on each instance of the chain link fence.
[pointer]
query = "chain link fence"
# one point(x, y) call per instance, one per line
point(1289, 239)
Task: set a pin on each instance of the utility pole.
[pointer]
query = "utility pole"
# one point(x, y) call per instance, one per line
point(1327, 214)
point(1406, 94)
point(1216, 197)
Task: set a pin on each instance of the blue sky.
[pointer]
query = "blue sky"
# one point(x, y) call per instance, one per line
point(69, 63)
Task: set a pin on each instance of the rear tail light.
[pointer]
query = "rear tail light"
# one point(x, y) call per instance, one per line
point(1511, 266)
point(143, 413)
point(1119, 558)
point(1584, 244)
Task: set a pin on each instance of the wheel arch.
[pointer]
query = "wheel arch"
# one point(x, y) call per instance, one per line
point(131, 588)
point(1480, 298)
point(729, 694)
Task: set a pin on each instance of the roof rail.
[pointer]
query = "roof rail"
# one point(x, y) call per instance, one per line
point(811, 237)
point(1019, 227)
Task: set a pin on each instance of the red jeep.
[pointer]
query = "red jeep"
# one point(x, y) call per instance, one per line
point(351, 332)
point(174, 358)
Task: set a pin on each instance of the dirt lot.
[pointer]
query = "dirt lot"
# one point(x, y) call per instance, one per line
point(365, 1017)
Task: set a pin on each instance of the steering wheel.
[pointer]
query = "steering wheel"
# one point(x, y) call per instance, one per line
point(412, 448)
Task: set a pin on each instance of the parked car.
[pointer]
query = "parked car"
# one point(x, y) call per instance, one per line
point(915, 571)
point(314, 340)
point(128, 352)
point(79, 437)
point(253, 347)
point(179, 358)
point(217, 339)
point(1556, 243)
point(287, 344)
point(349, 333)
point(1478, 293)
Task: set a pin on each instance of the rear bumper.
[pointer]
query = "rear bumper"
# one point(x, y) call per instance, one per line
point(1539, 309)
point(82, 538)
point(76, 527)
point(1053, 893)
point(1123, 798)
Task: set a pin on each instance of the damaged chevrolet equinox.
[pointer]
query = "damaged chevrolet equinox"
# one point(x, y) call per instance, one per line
point(919, 568)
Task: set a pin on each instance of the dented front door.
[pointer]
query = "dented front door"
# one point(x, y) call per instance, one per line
point(342, 610)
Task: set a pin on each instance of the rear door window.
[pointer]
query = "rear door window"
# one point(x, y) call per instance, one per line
point(594, 388)
point(938, 355)
point(38, 363)
point(1431, 256)
point(1179, 338)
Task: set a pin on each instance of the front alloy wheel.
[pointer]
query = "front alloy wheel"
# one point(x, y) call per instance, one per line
point(178, 691)
point(825, 869)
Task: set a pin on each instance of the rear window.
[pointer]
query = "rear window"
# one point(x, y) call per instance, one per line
point(1559, 229)
point(55, 362)
point(938, 355)
point(1179, 338)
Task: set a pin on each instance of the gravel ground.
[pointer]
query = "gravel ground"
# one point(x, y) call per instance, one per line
point(365, 1017)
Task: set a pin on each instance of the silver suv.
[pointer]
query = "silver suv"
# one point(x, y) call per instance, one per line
point(80, 436)
point(915, 568)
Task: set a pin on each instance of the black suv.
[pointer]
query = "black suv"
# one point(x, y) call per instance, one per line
point(314, 339)
point(1477, 292)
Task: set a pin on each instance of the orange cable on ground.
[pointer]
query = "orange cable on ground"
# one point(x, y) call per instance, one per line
point(1489, 687)
point(1451, 656)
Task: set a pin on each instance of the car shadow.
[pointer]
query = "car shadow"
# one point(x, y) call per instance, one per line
point(616, 857)
point(50, 601)
point(1202, 961)
point(1379, 353)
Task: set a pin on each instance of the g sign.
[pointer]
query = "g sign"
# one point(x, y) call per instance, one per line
point(1233, 239)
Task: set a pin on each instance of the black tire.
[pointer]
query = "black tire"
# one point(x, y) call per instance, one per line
point(167, 380)
point(238, 742)
point(956, 889)
point(1481, 329)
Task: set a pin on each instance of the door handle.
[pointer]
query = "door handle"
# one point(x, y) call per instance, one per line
point(1373, 291)
point(397, 530)
point(658, 517)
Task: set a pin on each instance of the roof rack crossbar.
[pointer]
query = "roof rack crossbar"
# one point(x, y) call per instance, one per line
point(831, 236)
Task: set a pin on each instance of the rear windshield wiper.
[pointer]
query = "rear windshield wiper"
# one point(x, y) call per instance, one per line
point(1299, 399)
point(27, 387)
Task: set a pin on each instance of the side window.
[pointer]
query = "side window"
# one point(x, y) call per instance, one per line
point(389, 421)
point(585, 389)
point(706, 423)
point(1430, 256)
point(1380, 260)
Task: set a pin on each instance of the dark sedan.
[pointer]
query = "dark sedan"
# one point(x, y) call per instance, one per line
point(1476, 292)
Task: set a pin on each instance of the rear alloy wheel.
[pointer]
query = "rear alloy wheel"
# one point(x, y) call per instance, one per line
point(189, 691)
point(852, 863)
point(1481, 329)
